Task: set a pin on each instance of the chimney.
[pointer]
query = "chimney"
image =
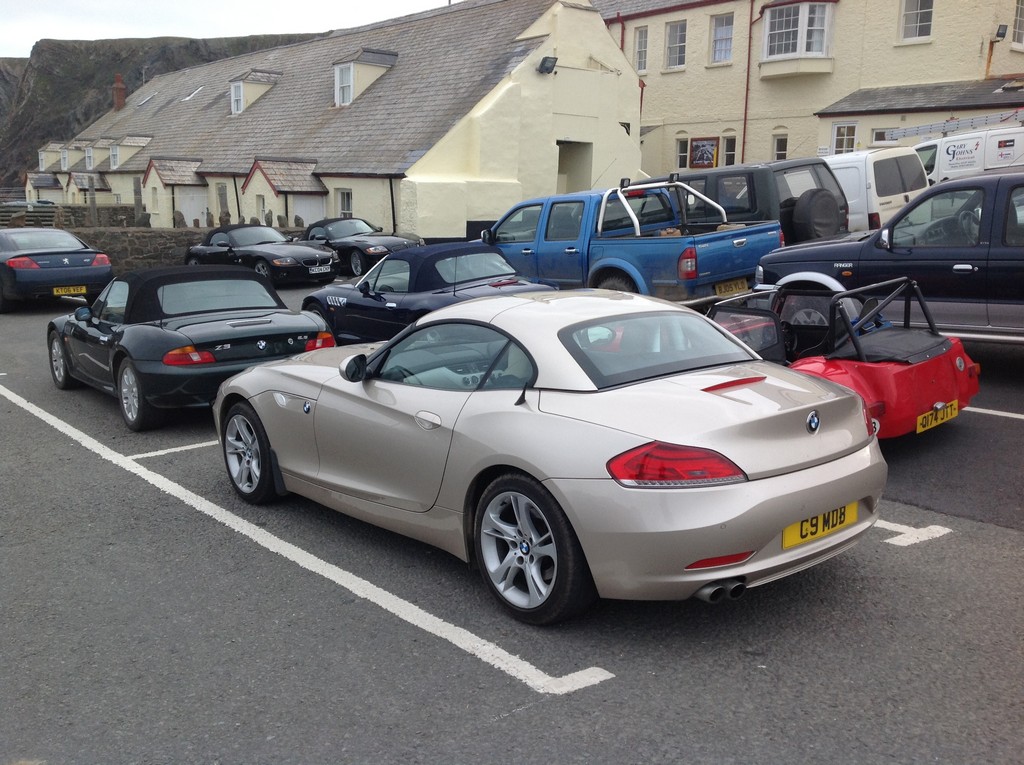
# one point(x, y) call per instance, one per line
point(118, 91)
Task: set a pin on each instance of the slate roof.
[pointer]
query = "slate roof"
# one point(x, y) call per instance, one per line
point(176, 172)
point(44, 181)
point(446, 61)
point(81, 180)
point(289, 176)
point(996, 94)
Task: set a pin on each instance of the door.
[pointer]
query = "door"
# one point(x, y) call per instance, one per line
point(560, 247)
point(1006, 261)
point(516, 236)
point(91, 341)
point(377, 313)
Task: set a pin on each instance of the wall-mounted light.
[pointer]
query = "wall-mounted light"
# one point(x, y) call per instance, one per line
point(547, 64)
point(1001, 32)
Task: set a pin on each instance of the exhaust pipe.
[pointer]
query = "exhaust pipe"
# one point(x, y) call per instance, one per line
point(716, 592)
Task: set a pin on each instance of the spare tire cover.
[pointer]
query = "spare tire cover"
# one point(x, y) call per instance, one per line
point(815, 215)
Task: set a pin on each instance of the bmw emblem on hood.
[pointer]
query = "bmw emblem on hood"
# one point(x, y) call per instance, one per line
point(813, 422)
point(261, 344)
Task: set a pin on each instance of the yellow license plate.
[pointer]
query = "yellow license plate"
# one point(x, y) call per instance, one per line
point(819, 526)
point(731, 287)
point(938, 416)
point(69, 290)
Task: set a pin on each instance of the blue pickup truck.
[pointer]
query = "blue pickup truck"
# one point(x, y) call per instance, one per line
point(633, 238)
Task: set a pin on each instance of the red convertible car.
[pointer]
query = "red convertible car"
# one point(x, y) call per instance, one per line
point(911, 377)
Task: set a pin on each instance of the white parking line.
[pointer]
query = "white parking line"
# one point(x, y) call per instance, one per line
point(476, 646)
point(908, 535)
point(995, 412)
point(173, 450)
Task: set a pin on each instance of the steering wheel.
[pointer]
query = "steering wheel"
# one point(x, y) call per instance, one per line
point(809, 316)
point(789, 338)
point(397, 374)
point(970, 223)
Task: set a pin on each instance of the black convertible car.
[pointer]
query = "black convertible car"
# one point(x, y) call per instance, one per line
point(167, 337)
point(413, 282)
point(359, 244)
point(266, 251)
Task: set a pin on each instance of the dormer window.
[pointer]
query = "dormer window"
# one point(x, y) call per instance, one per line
point(342, 84)
point(88, 158)
point(64, 159)
point(237, 104)
point(42, 161)
point(115, 156)
point(250, 87)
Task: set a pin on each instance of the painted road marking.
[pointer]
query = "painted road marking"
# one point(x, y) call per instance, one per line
point(995, 413)
point(476, 646)
point(908, 535)
point(173, 450)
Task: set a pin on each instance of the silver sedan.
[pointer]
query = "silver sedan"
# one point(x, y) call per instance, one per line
point(571, 445)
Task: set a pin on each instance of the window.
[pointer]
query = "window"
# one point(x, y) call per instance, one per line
point(1018, 23)
point(343, 201)
point(342, 84)
point(88, 158)
point(721, 38)
point(564, 222)
point(640, 49)
point(42, 161)
point(844, 137)
point(878, 136)
point(261, 207)
point(154, 205)
point(797, 30)
point(682, 152)
point(780, 146)
point(917, 19)
point(237, 105)
point(390, 276)
point(115, 156)
point(948, 219)
point(675, 45)
point(222, 197)
point(728, 150)
point(64, 159)
point(113, 303)
point(520, 226)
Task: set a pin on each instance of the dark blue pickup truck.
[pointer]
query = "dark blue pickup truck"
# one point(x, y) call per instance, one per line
point(962, 241)
point(635, 239)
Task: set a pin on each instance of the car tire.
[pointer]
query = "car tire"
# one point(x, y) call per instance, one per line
point(247, 454)
point(528, 554)
point(815, 215)
point(620, 283)
point(357, 262)
point(59, 364)
point(262, 267)
point(319, 311)
point(193, 261)
point(5, 305)
point(137, 412)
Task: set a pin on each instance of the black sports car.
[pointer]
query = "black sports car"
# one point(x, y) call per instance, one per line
point(359, 244)
point(167, 337)
point(48, 263)
point(266, 251)
point(413, 282)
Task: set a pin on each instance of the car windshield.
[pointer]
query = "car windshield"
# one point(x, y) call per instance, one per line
point(243, 237)
point(472, 266)
point(624, 349)
point(199, 296)
point(348, 227)
point(44, 239)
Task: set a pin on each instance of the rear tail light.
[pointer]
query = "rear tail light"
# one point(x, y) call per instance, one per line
point(22, 262)
point(322, 340)
point(187, 356)
point(874, 221)
point(658, 465)
point(721, 560)
point(100, 260)
point(687, 266)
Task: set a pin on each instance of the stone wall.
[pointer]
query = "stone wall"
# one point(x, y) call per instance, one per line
point(134, 248)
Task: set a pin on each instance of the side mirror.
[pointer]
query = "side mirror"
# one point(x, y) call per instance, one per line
point(378, 229)
point(224, 244)
point(487, 236)
point(364, 288)
point(83, 313)
point(885, 238)
point(353, 368)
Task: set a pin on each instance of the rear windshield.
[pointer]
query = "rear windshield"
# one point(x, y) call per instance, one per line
point(469, 267)
point(213, 295)
point(44, 239)
point(624, 349)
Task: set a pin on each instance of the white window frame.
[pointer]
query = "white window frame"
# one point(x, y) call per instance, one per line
point(798, 30)
point(913, 25)
point(780, 146)
point(878, 137)
point(64, 160)
point(1018, 24)
point(42, 161)
point(728, 153)
point(844, 137)
point(88, 158)
point(640, 39)
point(682, 153)
point(675, 44)
point(721, 38)
point(237, 101)
point(115, 156)
point(343, 202)
point(344, 79)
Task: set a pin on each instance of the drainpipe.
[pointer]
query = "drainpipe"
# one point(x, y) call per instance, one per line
point(746, 89)
point(394, 215)
point(238, 201)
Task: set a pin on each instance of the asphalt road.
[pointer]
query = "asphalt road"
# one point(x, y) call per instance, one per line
point(149, 616)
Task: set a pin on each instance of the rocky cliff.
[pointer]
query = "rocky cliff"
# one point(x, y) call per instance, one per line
point(65, 85)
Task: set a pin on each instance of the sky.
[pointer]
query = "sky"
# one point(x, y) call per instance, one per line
point(23, 23)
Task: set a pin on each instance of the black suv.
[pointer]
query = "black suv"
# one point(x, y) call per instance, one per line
point(802, 194)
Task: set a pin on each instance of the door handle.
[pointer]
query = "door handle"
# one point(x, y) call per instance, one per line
point(527, 251)
point(427, 420)
point(964, 268)
point(739, 242)
point(571, 251)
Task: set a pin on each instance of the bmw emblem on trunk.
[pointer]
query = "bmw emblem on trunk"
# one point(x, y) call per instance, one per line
point(261, 344)
point(813, 422)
